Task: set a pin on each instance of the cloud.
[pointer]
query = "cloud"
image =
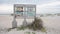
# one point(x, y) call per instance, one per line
point(42, 8)
point(48, 8)
point(17, 1)
point(49, 4)
point(6, 8)
point(25, 1)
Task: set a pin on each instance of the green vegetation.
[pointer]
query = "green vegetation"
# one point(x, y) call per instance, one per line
point(30, 33)
point(33, 32)
point(27, 32)
point(37, 24)
point(43, 29)
point(21, 27)
point(9, 29)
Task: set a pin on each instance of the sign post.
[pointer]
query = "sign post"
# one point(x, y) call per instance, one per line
point(14, 22)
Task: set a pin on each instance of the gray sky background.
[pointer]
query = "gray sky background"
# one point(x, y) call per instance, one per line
point(43, 6)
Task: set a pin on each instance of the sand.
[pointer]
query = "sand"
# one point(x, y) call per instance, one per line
point(51, 23)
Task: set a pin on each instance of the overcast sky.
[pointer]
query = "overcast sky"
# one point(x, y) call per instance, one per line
point(43, 6)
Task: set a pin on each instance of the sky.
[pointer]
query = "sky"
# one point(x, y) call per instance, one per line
point(42, 6)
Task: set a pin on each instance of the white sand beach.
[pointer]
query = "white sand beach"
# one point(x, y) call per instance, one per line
point(52, 24)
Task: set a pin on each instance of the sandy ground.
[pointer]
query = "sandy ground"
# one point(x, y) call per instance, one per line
point(52, 24)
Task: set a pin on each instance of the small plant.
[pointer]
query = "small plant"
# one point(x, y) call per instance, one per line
point(27, 32)
point(43, 29)
point(21, 27)
point(9, 29)
point(33, 32)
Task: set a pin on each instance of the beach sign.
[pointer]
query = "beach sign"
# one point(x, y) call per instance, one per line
point(25, 10)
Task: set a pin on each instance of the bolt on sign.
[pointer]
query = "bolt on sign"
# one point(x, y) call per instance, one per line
point(25, 10)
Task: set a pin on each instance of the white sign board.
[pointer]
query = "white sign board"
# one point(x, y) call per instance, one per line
point(25, 10)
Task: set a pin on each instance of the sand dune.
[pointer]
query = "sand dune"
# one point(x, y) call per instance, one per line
point(49, 22)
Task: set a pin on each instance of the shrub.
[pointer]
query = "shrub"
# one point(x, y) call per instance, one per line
point(37, 24)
